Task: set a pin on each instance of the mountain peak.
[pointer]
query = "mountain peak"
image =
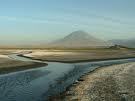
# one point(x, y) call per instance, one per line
point(79, 38)
point(79, 35)
point(79, 32)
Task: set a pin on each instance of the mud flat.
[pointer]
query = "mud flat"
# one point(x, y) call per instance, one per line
point(8, 65)
point(112, 83)
point(72, 56)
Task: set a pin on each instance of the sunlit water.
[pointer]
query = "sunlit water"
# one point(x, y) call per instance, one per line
point(39, 83)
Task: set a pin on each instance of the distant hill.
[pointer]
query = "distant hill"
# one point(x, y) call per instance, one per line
point(79, 39)
point(128, 43)
point(118, 47)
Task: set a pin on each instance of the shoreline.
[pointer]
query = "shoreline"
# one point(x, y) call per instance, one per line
point(112, 81)
point(20, 68)
point(37, 64)
point(78, 61)
point(8, 65)
point(62, 95)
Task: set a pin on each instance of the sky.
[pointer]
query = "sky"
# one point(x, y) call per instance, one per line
point(29, 21)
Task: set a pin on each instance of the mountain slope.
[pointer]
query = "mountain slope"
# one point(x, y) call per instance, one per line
point(79, 39)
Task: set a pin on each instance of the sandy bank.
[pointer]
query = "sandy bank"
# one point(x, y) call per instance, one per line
point(8, 65)
point(4, 56)
point(113, 83)
point(70, 56)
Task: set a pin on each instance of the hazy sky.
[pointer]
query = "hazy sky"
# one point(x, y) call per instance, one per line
point(43, 20)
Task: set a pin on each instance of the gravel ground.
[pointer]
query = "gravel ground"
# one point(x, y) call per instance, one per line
point(113, 83)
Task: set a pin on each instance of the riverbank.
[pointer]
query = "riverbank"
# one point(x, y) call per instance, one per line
point(8, 65)
point(112, 83)
point(74, 56)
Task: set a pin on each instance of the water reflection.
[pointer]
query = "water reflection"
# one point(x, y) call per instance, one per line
point(9, 84)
